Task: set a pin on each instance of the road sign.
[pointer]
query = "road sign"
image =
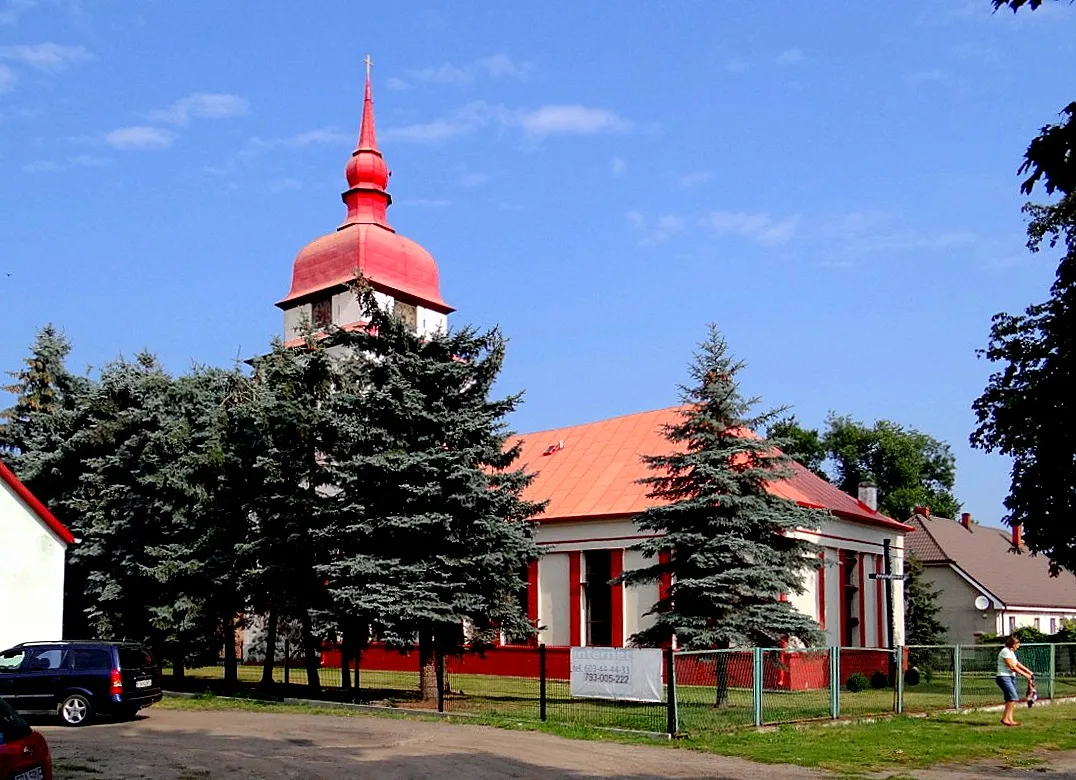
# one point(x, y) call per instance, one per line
point(886, 576)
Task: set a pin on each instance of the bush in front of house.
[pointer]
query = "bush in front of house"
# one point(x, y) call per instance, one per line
point(911, 676)
point(879, 680)
point(857, 682)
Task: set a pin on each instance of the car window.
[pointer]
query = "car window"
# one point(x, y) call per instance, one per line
point(90, 658)
point(11, 660)
point(135, 658)
point(43, 659)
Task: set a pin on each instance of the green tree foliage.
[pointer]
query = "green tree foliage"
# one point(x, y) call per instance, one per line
point(910, 468)
point(803, 445)
point(1026, 410)
point(430, 527)
point(729, 550)
point(921, 608)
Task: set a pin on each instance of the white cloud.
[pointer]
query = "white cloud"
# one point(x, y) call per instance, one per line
point(7, 78)
point(498, 66)
point(619, 167)
point(501, 66)
point(793, 56)
point(756, 227)
point(397, 84)
point(283, 185)
point(426, 203)
point(736, 65)
point(139, 137)
point(535, 123)
point(201, 105)
point(326, 135)
point(569, 120)
point(693, 178)
point(659, 231)
point(78, 161)
point(474, 179)
point(15, 9)
point(47, 57)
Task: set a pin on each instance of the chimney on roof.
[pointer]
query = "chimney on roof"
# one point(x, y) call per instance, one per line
point(868, 494)
point(922, 511)
point(965, 520)
point(1018, 537)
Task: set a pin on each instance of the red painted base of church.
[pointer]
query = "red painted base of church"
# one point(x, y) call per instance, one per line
point(782, 671)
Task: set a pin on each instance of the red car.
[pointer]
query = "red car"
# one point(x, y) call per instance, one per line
point(24, 754)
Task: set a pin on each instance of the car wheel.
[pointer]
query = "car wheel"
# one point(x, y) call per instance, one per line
point(75, 710)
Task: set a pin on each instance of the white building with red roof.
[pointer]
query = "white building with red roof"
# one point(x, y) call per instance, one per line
point(588, 473)
point(33, 546)
point(590, 476)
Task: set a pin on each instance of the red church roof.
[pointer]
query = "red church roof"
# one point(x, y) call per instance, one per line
point(596, 469)
point(365, 241)
point(58, 529)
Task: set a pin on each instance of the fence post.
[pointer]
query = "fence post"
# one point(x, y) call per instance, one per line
point(541, 682)
point(756, 684)
point(439, 665)
point(899, 681)
point(835, 682)
point(287, 659)
point(1053, 671)
point(958, 673)
point(673, 717)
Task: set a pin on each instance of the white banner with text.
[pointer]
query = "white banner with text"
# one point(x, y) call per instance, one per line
point(616, 673)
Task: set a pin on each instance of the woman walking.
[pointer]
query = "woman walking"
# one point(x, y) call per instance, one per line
point(1008, 668)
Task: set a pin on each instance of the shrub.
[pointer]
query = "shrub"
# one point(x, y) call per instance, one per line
point(911, 676)
point(857, 682)
point(879, 680)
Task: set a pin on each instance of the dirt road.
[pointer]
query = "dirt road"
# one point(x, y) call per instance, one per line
point(196, 745)
point(179, 745)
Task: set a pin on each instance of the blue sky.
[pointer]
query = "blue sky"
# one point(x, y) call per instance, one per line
point(833, 184)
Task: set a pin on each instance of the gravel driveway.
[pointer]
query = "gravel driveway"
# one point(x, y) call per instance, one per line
point(192, 745)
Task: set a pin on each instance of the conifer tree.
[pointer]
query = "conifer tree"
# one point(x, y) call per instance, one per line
point(433, 531)
point(722, 536)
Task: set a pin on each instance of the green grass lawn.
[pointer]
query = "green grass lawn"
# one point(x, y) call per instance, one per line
point(888, 745)
point(517, 698)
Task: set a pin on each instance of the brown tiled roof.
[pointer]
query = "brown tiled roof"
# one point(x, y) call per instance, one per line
point(596, 472)
point(987, 556)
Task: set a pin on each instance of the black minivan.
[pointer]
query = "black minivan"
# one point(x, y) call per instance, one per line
point(78, 680)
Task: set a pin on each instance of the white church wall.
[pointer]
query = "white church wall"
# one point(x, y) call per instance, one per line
point(31, 574)
point(430, 321)
point(293, 319)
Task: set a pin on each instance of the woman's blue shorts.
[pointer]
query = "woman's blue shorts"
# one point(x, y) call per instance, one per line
point(1008, 687)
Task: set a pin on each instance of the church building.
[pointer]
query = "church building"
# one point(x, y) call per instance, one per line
point(588, 473)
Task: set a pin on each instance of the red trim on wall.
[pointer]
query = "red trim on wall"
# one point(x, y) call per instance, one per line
point(616, 568)
point(55, 526)
point(532, 596)
point(883, 640)
point(575, 599)
point(862, 600)
point(665, 579)
point(822, 591)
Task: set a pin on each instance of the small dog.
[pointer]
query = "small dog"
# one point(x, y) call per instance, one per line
point(1032, 694)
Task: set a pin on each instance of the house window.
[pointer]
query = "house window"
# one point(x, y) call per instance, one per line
point(1037, 624)
point(598, 598)
point(321, 313)
point(1053, 625)
point(408, 314)
point(1012, 624)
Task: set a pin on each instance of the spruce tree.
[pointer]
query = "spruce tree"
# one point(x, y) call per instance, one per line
point(432, 531)
point(921, 607)
point(728, 541)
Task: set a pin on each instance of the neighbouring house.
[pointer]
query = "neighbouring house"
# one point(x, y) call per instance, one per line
point(988, 583)
point(33, 545)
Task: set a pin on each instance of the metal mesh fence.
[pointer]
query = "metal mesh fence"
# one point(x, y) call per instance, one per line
point(715, 689)
point(929, 678)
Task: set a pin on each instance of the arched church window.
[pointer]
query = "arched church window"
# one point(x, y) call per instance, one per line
point(321, 313)
point(408, 314)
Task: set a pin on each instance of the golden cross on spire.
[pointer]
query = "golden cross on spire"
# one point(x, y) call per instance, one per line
point(369, 64)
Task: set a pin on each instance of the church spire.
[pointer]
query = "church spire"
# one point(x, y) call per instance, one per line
point(367, 198)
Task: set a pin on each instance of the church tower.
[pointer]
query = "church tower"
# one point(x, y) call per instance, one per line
point(403, 274)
